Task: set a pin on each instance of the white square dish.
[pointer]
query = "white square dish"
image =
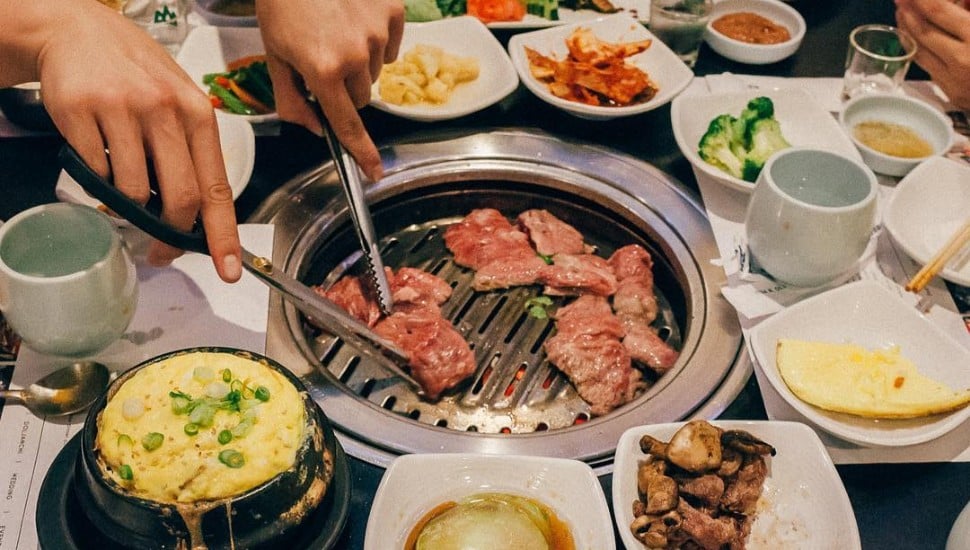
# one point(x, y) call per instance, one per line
point(804, 504)
point(660, 64)
point(803, 123)
point(868, 315)
point(926, 208)
point(466, 37)
point(208, 49)
point(415, 484)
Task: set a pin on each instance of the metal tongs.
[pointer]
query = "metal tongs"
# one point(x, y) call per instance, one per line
point(349, 174)
point(148, 219)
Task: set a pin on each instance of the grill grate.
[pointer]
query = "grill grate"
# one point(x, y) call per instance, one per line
point(515, 389)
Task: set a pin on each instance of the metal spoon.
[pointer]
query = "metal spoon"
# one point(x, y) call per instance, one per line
point(65, 391)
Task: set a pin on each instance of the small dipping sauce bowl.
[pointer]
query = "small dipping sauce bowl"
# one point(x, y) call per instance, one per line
point(810, 216)
point(902, 119)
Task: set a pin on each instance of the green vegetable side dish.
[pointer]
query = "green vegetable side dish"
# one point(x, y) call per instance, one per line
point(418, 11)
point(537, 307)
point(741, 145)
point(244, 89)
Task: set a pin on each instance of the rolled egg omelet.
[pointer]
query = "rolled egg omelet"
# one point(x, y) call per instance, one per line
point(200, 426)
point(851, 379)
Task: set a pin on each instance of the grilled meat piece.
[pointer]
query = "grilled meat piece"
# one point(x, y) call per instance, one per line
point(636, 305)
point(744, 489)
point(708, 532)
point(587, 348)
point(550, 235)
point(487, 242)
point(706, 490)
point(603, 6)
point(575, 274)
point(438, 355)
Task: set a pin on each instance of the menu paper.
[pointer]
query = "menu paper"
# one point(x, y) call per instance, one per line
point(756, 296)
point(180, 306)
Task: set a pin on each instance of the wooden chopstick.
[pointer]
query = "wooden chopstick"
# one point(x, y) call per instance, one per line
point(936, 264)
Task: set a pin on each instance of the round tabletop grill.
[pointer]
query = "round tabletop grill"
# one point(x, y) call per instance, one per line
point(516, 403)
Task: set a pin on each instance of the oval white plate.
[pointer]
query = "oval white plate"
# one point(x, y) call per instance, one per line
point(662, 66)
point(804, 504)
point(466, 37)
point(868, 315)
point(927, 208)
point(238, 152)
point(414, 484)
point(803, 123)
point(208, 49)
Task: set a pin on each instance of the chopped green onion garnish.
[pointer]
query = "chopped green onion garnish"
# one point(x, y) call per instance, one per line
point(262, 393)
point(124, 440)
point(203, 374)
point(547, 259)
point(231, 458)
point(242, 429)
point(226, 375)
point(125, 473)
point(237, 385)
point(180, 405)
point(191, 428)
point(203, 415)
point(537, 306)
point(152, 441)
point(225, 436)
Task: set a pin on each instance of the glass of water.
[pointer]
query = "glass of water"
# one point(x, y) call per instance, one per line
point(680, 25)
point(878, 59)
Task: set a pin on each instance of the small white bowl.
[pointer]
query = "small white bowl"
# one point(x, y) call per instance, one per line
point(414, 484)
point(924, 119)
point(927, 208)
point(866, 314)
point(803, 504)
point(662, 66)
point(756, 54)
point(466, 37)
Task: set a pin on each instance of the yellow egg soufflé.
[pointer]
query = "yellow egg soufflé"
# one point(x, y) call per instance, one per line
point(200, 427)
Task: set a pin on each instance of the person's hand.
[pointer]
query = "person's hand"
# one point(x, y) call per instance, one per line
point(336, 48)
point(941, 29)
point(108, 84)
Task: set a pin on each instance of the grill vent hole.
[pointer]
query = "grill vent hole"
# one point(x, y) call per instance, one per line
point(541, 427)
point(348, 372)
point(537, 345)
point(515, 327)
point(550, 378)
point(519, 373)
point(414, 414)
point(664, 333)
point(428, 237)
point(368, 388)
point(389, 403)
point(481, 381)
point(466, 307)
point(442, 423)
point(492, 314)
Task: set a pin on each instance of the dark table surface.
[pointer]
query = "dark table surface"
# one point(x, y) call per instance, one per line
point(896, 505)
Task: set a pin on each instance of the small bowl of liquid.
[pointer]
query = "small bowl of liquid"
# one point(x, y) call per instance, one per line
point(895, 133)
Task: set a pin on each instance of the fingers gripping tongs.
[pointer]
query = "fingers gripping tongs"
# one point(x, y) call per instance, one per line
point(148, 219)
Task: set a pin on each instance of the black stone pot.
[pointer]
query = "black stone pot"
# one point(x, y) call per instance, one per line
point(266, 516)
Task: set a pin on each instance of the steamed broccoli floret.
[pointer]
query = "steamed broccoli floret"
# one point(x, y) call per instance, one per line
point(720, 145)
point(740, 146)
point(757, 109)
point(766, 140)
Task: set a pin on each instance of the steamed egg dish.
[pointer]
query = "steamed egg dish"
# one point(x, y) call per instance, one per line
point(872, 383)
point(200, 426)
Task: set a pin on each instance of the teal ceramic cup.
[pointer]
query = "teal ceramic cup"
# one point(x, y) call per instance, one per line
point(67, 283)
point(811, 215)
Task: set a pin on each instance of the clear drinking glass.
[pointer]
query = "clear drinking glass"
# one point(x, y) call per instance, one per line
point(877, 61)
point(680, 25)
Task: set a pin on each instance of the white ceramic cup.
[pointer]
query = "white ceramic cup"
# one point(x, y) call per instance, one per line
point(810, 216)
point(67, 283)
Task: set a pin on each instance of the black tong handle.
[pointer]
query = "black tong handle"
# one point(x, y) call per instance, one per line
point(147, 218)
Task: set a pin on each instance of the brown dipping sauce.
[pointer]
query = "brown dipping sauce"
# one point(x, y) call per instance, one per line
point(892, 139)
point(751, 28)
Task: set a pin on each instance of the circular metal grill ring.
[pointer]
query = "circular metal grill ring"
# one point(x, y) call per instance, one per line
point(613, 199)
